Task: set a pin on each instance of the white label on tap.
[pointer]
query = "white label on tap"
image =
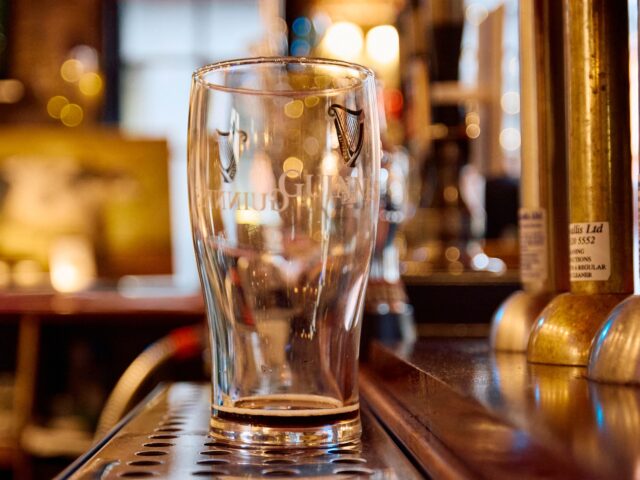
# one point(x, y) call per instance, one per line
point(589, 251)
point(533, 244)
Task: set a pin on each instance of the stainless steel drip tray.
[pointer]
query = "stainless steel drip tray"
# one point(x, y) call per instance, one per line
point(166, 437)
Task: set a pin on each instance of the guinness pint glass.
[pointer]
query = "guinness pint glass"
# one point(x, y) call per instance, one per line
point(283, 163)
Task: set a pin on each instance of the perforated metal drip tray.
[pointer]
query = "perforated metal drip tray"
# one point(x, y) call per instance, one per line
point(166, 437)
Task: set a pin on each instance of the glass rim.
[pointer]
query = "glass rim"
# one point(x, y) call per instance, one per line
point(199, 74)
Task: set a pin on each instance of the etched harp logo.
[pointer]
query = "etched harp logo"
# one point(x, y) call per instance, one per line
point(350, 129)
point(230, 145)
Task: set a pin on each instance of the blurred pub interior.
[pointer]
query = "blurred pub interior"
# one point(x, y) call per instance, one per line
point(96, 260)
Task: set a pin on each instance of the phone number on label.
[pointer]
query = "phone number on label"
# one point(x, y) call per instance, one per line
point(588, 240)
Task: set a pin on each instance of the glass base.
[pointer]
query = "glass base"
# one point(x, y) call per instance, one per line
point(286, 421)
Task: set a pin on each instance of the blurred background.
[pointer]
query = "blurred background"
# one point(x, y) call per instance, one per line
point(96, 260)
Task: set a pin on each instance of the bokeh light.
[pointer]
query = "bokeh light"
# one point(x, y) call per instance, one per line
point(293, 166)
point(450, 194)
point(510, 103)
point(510, 139)
point(55, 105)
point(383, 44)
point(301, 26)
point(452, 254)
point(90, 84)
point(87, 55)
point(300, 47)
point(472, 117)
point(311, 101)
point(480, 261)
point(71, 70)
point(473, 130)
point(71, 264)
point(294, 109)
point(321, 22)
point(71, 115)
point(344, 40)
point(11, 91)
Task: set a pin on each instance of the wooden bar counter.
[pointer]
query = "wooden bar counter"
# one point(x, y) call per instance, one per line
point(457, 410)
point(463, 411)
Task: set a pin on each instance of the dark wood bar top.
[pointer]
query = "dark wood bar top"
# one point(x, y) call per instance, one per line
point(54, 306)
point(464, 412)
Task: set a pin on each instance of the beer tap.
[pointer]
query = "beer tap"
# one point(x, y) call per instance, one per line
point(601, 228)
point(615, 352)
point(543, 214)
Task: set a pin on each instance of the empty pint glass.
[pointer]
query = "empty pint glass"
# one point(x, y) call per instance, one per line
point(284, 158)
